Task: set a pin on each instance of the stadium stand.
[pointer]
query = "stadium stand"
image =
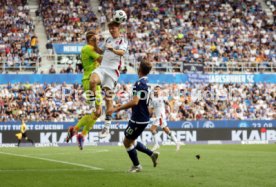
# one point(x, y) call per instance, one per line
point(219, 35)
point(272, 6)
point(67, 21)
point(177, 35)
point(211, 36)
point(18, 43)
point(64, 102)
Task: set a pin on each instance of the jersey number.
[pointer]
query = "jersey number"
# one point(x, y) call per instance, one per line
point(129, 131)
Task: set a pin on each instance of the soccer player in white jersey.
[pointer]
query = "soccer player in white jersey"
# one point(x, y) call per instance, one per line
point(158, 104)
point(108, 73)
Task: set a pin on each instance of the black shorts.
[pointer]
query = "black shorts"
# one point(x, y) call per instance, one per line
point(24, 135)
point(134, 130)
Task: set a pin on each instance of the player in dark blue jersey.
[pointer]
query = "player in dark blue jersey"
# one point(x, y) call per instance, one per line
point(139, 119)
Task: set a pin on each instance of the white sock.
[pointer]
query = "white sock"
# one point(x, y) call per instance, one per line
point(173, 138)
point(107, 124)
point(155, 139)
point(107, 121)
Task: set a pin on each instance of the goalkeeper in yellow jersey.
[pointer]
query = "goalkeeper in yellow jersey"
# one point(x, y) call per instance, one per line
point(23, 134)
point(90, 61)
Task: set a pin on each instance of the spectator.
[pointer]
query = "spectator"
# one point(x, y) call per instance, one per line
point(70, 69)
point(49, 47)
point(17, 28)
point(52, 70)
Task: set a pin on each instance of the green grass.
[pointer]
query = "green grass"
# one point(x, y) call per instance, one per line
point(220, 165)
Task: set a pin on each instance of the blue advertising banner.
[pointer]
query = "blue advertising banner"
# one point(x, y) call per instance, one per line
point(224, 78)
point(68, 48)
point(154, 79)
point(15, 126)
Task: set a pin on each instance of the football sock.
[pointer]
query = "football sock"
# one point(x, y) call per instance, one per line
point(172, 137)
point(92, 101)
point(107, 121)
point(155, 138)
point(132, 153)
point(30, 140)
point(18, 143)
point(141, 147)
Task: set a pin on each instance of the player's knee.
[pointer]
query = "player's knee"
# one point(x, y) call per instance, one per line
point(84, 132)
point(166, 130)
point(153, 129)
point(109, 112)
point(97, 114)
point(75, 129)
point(127, 143)
point(93, 82)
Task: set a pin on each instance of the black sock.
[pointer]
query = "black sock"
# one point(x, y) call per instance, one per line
point(18, 143)
point(141, 147)
point(30, 140)
point(133, 155)
point(108, 117)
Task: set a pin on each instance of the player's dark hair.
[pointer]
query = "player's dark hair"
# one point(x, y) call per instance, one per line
point(157, 87)
point(113, 24)
point(90, 34)
point(145, 67)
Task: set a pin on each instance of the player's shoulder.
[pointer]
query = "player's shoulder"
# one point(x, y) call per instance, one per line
point(142, 83)
point(87, 47)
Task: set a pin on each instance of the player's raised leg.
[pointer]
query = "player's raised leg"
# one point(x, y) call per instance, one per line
point(95, 80)
point(108, 114)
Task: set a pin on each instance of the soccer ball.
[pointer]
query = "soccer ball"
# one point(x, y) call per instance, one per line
point(119, 16)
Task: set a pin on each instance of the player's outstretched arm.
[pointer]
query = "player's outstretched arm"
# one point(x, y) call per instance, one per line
point(119, 52)
point(128, 105)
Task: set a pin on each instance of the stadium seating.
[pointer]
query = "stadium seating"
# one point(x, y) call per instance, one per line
point(67, 21)
point(18, 43)
point(221, 35)
point(64, 102)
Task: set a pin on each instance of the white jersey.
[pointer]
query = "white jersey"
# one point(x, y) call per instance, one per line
point(158, 104)
point(111, 60)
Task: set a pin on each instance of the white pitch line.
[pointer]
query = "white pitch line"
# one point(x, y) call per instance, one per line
point(40, 170)
point(99, 151)
point(52, 160)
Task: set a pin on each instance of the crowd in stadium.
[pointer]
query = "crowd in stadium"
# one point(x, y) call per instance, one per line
point(216, 34)
point(67, 21)
point(64, 102)
point(18, 42)
point(213, 33)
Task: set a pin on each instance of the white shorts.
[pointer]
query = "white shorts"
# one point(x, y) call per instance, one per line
point(160, 122)
point(108, 77)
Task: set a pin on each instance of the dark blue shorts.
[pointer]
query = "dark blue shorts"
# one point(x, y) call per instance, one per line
point(134, 130)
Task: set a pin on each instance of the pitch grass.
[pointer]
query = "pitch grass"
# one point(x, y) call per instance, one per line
point(220, 165)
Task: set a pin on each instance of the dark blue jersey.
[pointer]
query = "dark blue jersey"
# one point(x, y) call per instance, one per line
point(140, 112)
